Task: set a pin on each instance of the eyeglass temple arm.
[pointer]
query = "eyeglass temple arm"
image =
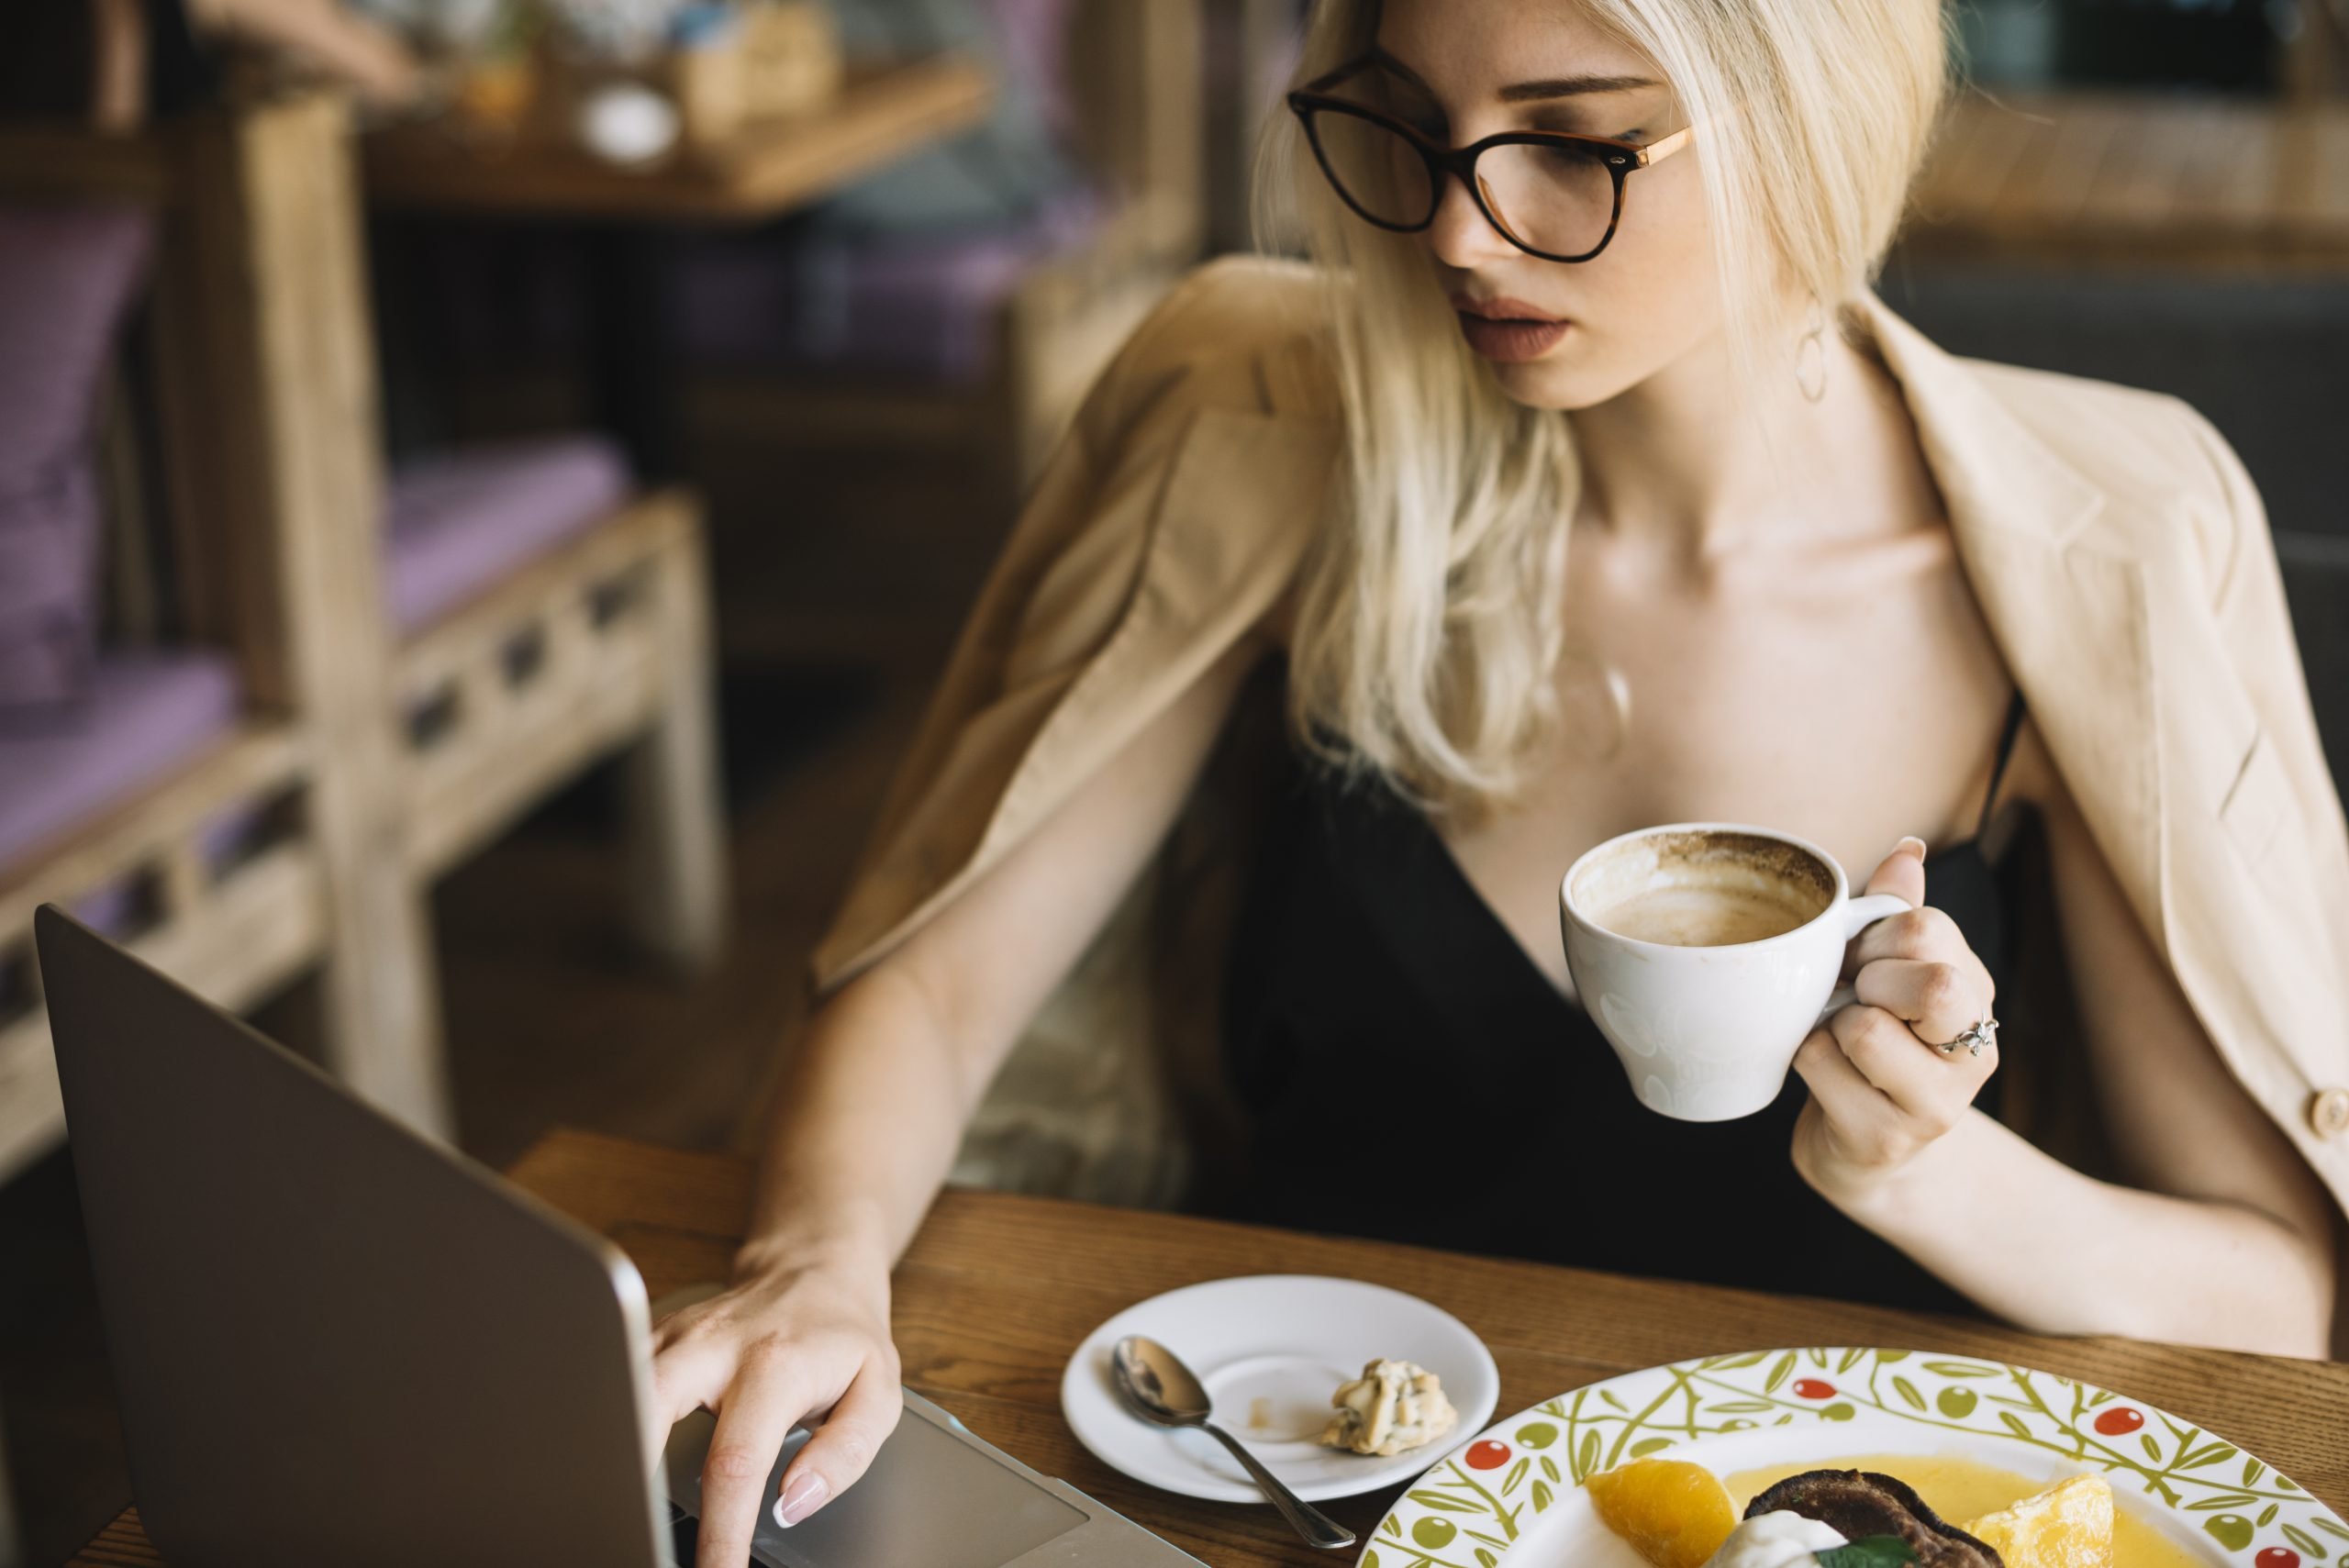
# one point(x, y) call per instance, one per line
point(1655, 152)
point(1347, 72)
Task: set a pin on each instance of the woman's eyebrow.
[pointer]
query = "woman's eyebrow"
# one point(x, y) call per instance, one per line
point(1574, 88)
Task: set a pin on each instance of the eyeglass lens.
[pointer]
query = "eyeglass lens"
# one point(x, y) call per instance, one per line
point(1555, 198)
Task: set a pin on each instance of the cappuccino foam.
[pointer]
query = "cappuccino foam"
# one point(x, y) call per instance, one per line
point(1704, 888)
point(1695, 915)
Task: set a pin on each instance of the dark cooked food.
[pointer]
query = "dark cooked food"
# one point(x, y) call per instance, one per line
point(1860, 1504)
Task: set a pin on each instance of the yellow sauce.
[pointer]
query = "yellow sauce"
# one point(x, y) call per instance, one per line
point(1961, 1489)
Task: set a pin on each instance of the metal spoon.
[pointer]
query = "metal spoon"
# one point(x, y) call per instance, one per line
point(1161, 1389)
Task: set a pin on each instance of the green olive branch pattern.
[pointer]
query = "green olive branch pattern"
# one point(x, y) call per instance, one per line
point(1598, 1428)
point(1615, 1454)
point(1507, 1515)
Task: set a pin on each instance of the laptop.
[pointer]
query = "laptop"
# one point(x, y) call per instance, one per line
point(335, 1342)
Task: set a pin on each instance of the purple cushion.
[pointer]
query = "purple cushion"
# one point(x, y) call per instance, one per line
point(143, 712)
point(460, 521)
point(920, 306)
point(67, 273)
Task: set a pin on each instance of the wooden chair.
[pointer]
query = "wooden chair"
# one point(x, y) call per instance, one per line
point(250, 382)
point(254, 382)
point(370, 755)
point(601, 644)
point(1137, 69)
point(1136, 72)
point(387, 756)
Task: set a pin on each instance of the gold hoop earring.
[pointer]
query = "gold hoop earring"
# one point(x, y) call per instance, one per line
point(1811, 355)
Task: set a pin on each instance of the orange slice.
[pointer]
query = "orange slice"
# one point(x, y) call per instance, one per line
point(1673, 1514)
point(2067, 1525)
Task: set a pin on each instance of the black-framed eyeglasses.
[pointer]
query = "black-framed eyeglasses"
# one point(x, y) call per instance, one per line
point(1551, 194)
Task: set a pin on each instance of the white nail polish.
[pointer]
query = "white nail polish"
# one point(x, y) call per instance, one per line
point(799, 1500)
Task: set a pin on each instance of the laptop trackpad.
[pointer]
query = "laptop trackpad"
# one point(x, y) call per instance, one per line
point(929, 1498)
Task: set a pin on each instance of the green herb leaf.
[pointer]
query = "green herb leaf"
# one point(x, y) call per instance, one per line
point(1875, 1551)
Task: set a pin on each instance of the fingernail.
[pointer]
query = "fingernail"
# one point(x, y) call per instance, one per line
point(799, 1500)
point(1914, 845)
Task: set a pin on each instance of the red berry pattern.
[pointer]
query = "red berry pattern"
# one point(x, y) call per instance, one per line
point(2236, 1533)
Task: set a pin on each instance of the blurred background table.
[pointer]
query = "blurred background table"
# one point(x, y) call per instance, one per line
point(999, 1290)
point(769, 168)
point(2087, 179)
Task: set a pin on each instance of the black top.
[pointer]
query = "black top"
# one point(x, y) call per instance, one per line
point(1409, 1074)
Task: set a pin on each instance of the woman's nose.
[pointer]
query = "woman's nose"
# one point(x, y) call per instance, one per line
point(1461, 235)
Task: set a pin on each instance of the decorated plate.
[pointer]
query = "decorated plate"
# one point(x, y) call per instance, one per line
point(1948, 1424)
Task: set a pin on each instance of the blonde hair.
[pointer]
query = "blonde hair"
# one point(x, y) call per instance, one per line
point(1430, 626)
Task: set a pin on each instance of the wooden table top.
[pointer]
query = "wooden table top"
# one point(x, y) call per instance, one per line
point(2093, 178)
point(882, 114)
point(996, 1291)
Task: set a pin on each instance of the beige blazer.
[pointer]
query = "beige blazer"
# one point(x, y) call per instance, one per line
point(2116, 545)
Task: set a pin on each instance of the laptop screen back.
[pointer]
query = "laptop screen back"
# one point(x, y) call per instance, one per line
point(334, 1342)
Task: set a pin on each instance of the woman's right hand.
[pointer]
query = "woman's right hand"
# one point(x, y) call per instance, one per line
point(867, 1119)
point(788, 1344)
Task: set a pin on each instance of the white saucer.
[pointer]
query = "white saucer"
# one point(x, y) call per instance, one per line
point(1270, 1349)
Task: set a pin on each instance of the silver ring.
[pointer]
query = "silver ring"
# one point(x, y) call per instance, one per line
point(1983, 1032)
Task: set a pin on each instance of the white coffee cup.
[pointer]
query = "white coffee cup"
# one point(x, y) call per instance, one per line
point(1707, 1033)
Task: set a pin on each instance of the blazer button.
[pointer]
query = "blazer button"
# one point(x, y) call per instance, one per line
point(2329, 1113)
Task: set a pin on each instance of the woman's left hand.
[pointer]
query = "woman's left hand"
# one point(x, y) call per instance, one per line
point(1880, 1092)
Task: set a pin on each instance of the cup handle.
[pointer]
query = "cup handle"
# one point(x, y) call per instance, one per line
point(1859, 914)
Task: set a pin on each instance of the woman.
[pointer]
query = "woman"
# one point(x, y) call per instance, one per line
point(1585, 486)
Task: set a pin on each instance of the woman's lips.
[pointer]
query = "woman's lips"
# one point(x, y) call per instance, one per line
point(1511, 339)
